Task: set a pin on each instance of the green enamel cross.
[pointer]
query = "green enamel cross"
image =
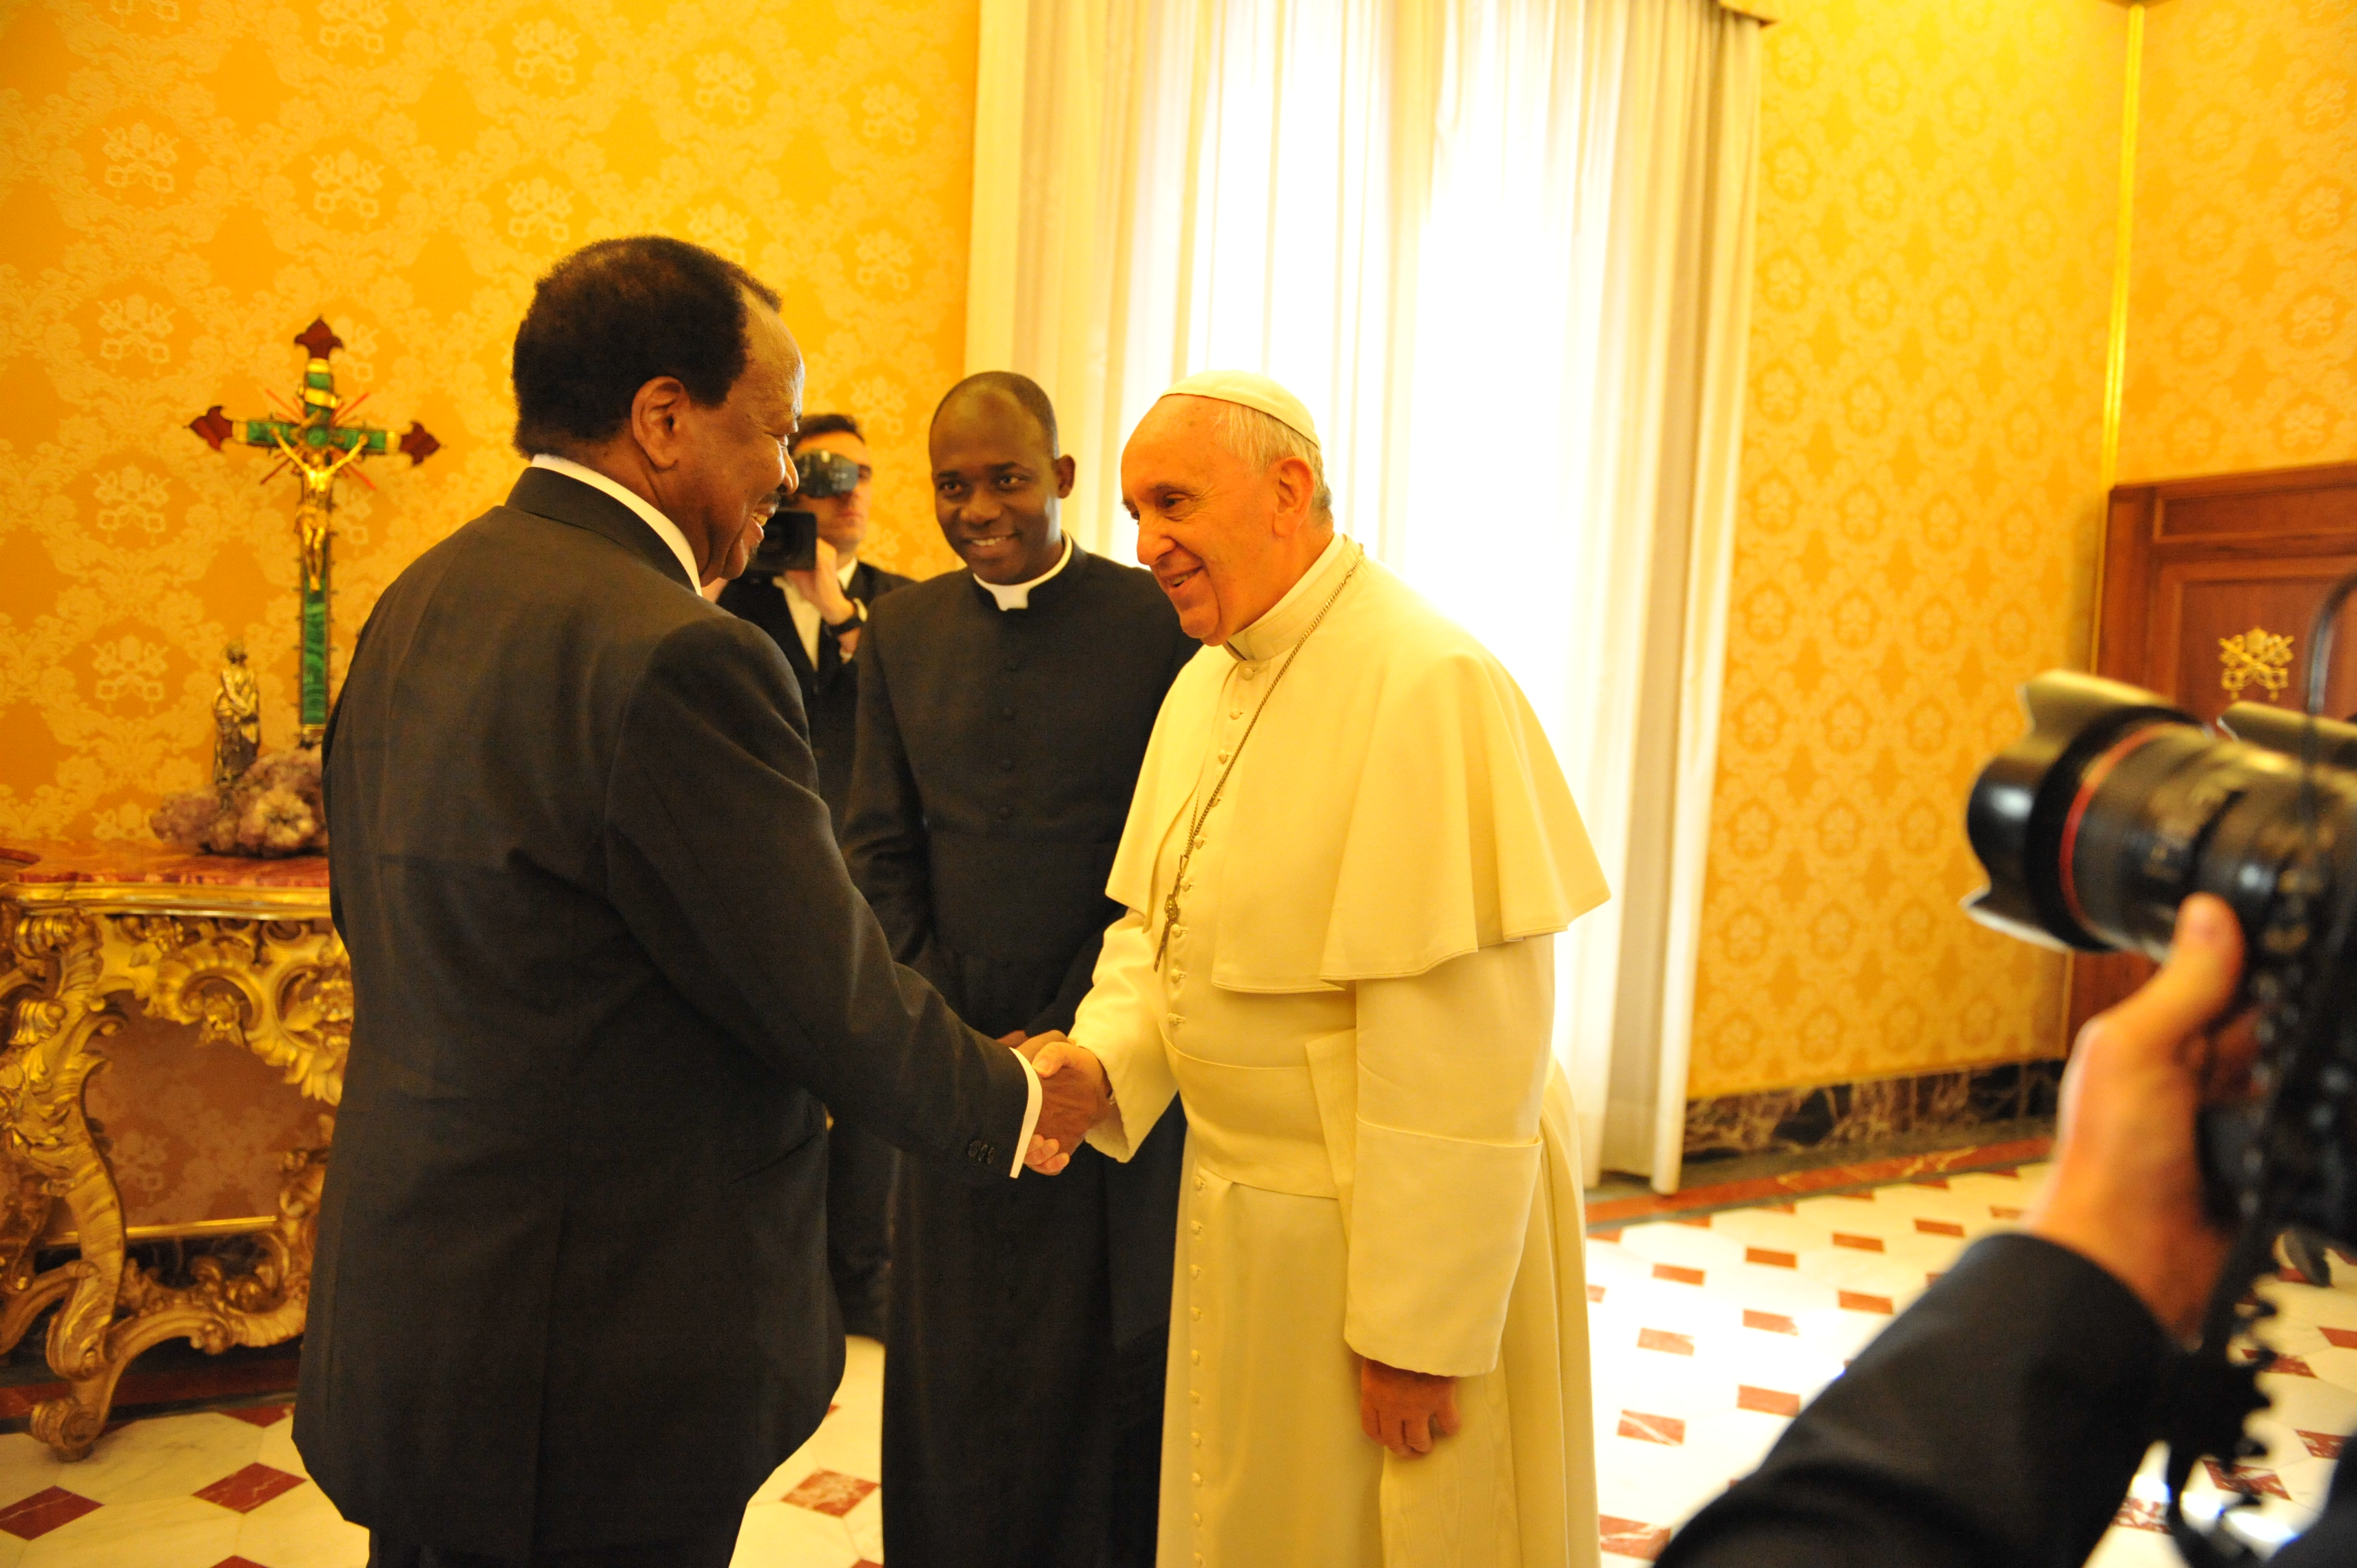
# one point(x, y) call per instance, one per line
point(319, 446)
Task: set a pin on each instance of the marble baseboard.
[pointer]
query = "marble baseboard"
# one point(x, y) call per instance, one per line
point(1835, 1115)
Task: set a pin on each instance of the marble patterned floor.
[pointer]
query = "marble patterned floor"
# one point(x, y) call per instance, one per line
point(1709, 1330)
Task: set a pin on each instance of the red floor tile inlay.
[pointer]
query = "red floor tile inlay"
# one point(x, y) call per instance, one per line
point(1632, 1538)
point(1858, 1301)
point(2323, 1445)
point(1770, 1322)
point(2135, 1513)
point(1666, 1430)
point(1938, 1228)
point(1766, 1401)
point(2346, 1338)
point(1858, 1243)
point(261, 1414)
point(1771, 1259)
point(28, 1519)
point(1661, 1339)
point(829, 1492)
point(1677, 1275)
point(237, 1562)
point(1999, 1211)
point(2291, 1367)
point(2255, 1482)
point(1595, 1292)
point(249, 1488)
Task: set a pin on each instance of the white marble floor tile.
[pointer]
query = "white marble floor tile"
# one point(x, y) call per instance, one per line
point(168, 1457)
point(159, 1532)
point(301, 1528)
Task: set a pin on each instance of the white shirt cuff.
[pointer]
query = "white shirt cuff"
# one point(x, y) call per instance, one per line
point(1031, 1112)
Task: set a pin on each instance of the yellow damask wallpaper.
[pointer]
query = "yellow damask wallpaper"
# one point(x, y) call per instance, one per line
point(186, 183)
point(1917, 524)
point(2243, 314)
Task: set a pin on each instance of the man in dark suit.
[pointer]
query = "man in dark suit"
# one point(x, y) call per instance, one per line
point(569, 1305)
point(817, 618)
point(1997, 1421)
point(1002, 714)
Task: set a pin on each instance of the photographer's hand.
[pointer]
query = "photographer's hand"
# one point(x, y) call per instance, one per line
point(2126, 1187)
point(824, 588)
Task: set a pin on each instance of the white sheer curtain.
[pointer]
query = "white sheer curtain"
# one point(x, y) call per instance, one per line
point(1501, 247)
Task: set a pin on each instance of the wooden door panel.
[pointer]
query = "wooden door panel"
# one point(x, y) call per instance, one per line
point(2190, 562)
point(2205, 603)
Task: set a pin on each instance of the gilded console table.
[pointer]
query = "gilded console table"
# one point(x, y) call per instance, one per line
point(242, 950)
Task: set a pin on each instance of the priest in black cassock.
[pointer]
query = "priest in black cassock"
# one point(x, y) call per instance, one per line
point(1002, 714)
point(816, 618)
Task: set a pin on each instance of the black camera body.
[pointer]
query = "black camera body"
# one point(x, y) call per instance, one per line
point(2113, 809)
point(823, 474)
point(788, 544)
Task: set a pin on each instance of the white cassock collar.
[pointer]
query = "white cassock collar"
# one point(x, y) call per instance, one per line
point(1017, 595)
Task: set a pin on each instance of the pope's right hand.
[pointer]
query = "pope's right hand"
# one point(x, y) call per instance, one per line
point(1076, 1098)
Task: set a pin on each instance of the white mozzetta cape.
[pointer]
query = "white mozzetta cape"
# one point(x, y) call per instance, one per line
point(1355, 1006)
point(1410, 812)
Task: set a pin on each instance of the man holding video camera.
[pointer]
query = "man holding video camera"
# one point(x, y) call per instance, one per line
point(2000, 1419)
point(815, 609)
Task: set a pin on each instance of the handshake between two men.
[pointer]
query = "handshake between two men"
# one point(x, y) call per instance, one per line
point(1073, 1098)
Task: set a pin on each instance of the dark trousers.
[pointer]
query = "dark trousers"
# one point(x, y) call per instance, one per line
point(860, 1174)
point(709, 1548)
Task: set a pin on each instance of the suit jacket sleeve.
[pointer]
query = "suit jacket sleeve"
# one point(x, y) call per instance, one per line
point(884, 823)
point(1998, 1421)
point(720, 856)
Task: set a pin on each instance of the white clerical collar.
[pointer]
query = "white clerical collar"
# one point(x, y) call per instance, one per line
point(1017, 595)
point(666, 529)
point(1289, 617)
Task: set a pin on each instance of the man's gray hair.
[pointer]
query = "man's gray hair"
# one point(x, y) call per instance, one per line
point(1264, 440)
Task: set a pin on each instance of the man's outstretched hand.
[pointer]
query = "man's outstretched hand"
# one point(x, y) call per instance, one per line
point(1076, 1099)
point(2126, 1187)
point(1405, 1412)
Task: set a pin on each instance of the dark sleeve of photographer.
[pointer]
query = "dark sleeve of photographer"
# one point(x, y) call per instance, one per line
point(2000, 1419)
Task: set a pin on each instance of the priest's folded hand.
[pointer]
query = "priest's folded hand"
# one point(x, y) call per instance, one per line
point(1405, 1412)
point(1076, 1098)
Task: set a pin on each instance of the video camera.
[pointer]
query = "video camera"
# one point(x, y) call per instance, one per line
point(2093, 827)
point(790, 539)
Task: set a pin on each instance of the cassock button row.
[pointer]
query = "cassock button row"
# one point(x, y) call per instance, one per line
point(1197, 1438)
point(1225, 755)
point(1196, 1476)
point(1199, 1518)
point(1194, 1312)
point(1248, 672)
point(1194, 1228)
point(1235, 713)
point(1195, 1271)
point(1195, 1356)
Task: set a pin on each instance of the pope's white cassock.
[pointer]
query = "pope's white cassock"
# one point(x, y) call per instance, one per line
point(1355, 1006)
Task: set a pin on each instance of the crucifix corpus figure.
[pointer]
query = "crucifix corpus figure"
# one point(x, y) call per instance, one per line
point(314, 441)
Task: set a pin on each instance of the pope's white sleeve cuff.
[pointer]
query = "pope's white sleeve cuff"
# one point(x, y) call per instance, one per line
point(1031, 1112)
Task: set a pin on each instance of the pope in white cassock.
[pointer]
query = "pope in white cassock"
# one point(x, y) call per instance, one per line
point(1348, 853)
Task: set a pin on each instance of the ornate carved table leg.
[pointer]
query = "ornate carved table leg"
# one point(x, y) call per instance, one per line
point(279, 988)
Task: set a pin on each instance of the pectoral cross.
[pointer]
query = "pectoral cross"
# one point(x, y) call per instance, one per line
point(314, 441)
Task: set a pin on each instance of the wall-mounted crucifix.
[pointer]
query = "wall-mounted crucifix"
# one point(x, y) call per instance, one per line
point(315, 440)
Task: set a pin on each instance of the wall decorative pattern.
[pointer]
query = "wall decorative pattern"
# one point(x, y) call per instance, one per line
point(187, 182)
point(2243, 304)
point(1937, 198)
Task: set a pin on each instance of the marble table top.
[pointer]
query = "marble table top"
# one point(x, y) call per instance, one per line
point(134, 875)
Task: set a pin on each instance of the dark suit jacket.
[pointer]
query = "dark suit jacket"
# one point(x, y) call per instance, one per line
point(830, 687)
point(571, 1287)
point(1995, 1425)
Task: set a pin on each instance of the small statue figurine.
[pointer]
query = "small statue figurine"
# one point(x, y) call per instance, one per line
point(237, 721)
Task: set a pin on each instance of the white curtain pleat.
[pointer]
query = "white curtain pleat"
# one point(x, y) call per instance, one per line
point(1501, 250)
